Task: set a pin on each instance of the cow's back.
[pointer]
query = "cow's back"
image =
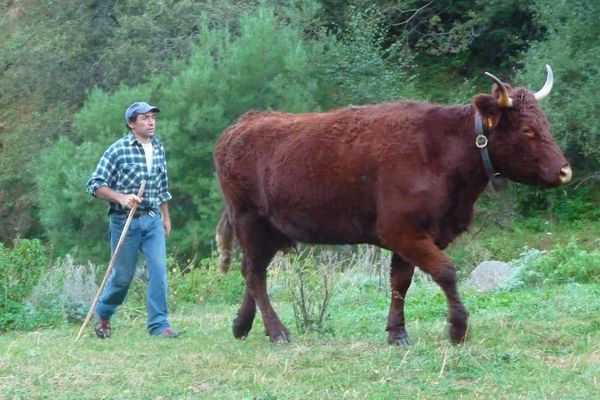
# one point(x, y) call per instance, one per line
point(316, 176)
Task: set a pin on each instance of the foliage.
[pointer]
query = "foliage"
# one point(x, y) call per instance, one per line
point(35, 294)
point(70, 217)
point(444, 27)
point(288, 77)
point(20, 268)
point(361, 69)
point(571, 49)
point(451, 40)
point(568, 263)
point(65, 291)
point(570, 204)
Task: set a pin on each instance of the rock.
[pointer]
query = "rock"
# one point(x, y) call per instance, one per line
point(489, 275)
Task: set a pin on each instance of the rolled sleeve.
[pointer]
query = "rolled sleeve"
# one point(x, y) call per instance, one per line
point(163, 181)
point(103, 175)
point(163, 197)
point(163, 188)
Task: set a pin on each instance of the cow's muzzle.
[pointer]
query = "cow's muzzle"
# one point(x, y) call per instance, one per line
point(565, 174)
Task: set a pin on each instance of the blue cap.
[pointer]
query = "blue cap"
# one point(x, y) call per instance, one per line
point(139, 107)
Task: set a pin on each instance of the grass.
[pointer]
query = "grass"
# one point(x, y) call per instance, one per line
point(529, 343)
point(535, 343)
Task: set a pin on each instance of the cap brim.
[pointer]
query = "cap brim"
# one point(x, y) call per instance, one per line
point(144, 110)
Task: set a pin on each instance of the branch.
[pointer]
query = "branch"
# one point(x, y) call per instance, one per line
point(418, 10)
point(594, 176)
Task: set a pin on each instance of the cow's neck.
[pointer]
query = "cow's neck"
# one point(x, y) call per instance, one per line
point(476, 142)
point(470, 176)
point(467, 182)
point(461, 132)
point(481, 142)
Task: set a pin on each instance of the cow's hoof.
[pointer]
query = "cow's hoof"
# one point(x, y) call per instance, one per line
point(458, 333)
point(240, 331)
point(282, 337)
point(399, 339)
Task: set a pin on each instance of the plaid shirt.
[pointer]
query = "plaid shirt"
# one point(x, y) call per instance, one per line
point(123, 168)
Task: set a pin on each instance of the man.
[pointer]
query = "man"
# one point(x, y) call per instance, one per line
point(137, 157)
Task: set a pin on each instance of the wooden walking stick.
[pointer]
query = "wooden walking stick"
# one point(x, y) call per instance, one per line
point(112, 262)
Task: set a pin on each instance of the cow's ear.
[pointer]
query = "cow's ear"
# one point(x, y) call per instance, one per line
point(489, 109)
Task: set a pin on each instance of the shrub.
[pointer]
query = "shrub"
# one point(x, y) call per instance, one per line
point(20, 269)
point(570, 263)
point(562, 264)
point(309, 282)
point(67, 288)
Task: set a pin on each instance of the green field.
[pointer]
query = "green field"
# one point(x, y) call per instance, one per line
point(531, 343)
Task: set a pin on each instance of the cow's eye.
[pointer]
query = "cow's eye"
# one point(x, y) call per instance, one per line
point(528, 131)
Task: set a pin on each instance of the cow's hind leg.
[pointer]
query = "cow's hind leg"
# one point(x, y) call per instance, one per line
point(401, 274)
point(258, 251)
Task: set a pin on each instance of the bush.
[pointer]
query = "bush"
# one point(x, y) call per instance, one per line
point(572, 203)
point(562, 264)
point(361, 68)
point(20, 269)
point(67, 288)
point(311, 291)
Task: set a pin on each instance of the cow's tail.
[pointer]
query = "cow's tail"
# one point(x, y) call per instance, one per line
point(224, 238)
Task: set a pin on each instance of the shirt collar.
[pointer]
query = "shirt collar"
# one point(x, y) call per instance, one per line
point(131, 139)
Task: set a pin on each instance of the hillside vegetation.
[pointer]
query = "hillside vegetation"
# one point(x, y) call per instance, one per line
point(64, 84)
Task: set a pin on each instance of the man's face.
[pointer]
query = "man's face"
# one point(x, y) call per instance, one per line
point(144, 125)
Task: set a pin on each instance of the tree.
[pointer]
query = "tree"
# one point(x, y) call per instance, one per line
point(265, 63)
point(53, 52)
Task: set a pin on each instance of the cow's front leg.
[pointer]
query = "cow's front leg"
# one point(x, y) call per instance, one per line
point(418, 248)
point(401, 273)
point(458, 316)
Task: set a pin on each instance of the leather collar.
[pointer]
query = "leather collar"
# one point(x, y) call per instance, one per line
point(481, 142)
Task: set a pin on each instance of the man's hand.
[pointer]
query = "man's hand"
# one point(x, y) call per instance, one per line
point(125, 200)
point(129, 200)
point(167, 225)
point(166, 219)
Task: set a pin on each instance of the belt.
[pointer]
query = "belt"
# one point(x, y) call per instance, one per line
point(140, 212)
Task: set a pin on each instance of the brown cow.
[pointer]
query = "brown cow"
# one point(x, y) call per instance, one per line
point(403, 176)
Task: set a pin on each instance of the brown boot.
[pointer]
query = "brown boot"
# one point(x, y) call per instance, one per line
point(102, 328)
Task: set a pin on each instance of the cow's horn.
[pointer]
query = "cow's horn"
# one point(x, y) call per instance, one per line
point(505, 100)
point(545, 91)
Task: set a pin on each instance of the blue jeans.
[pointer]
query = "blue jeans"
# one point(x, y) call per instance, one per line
point(145, 234)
